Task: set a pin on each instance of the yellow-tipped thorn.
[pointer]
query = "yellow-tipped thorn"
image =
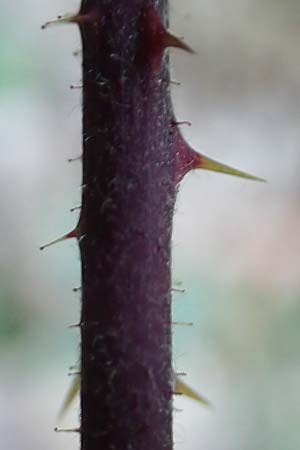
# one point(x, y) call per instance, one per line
point(210, 164)
point(173, 41)
point(183, 389)
point(70, 397)
point(67, 18)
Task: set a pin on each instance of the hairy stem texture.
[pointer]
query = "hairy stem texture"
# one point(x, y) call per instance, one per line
point(128, 199)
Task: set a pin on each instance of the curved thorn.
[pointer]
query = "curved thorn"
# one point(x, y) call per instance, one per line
point(169, 40)
point(182, 122)
point(67, 18)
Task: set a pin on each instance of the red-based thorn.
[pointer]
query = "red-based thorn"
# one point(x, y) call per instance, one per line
point(157, 39)
point(187, 159)
point(76, 233)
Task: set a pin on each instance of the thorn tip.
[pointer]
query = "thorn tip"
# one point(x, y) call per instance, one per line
point(203, 162)
point(173, 41)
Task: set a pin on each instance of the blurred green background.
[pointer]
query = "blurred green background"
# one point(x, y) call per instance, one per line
point(236, 244)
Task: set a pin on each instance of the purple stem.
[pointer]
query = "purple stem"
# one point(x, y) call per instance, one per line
point(126, 222)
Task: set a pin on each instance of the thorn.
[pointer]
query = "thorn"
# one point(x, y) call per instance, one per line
point(187, 159)
point(185, 390)
point(84, 324)
point(67, 430)
point(76, 86)
point(77, 158)
point(180, 291)
point(157, 39)
point(77, 52)
point(183, 122)
point(70, 397)
point(203, 162)
point(181, 374)
point(176, 83)
point(79, 19)
point(169, 40)
point(74, 374)
point(67, 18)
point(183, 324)
point(73, 234)
point(177, 393)
point(77, 289)
point(75, 208)
point(76, 325)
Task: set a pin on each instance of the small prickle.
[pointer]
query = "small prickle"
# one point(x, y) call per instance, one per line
point(67, 18)
point(80, 19)
point(182, 122)
point(67, 430)
point(77, 158)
